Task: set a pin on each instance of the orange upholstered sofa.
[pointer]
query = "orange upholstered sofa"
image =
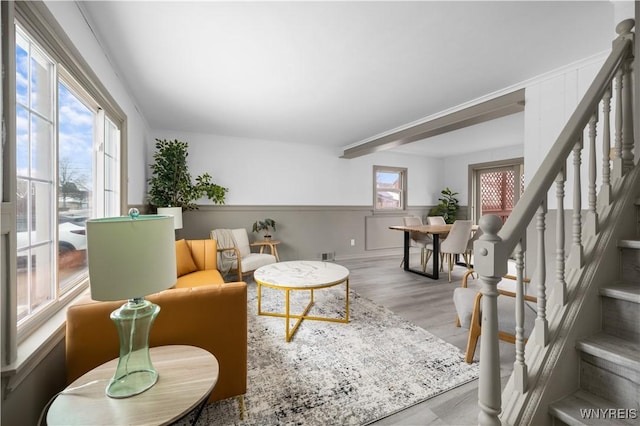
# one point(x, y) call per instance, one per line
point(201, 310)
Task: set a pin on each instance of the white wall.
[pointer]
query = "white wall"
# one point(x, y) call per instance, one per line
point(69, 17)
point(261, 172)
point(550, 101)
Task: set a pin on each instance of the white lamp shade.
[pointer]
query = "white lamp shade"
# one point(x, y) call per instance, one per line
point(130, 258)
point(176, 212)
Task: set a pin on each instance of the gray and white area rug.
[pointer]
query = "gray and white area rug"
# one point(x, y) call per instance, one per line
point(336, 373)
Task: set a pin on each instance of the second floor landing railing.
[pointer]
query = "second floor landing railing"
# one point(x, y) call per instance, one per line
point(499, 243)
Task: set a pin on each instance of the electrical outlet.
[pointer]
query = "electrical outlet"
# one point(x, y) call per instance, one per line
point(353, 242)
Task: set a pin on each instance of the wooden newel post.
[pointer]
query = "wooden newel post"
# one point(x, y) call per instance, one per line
point(491, 264)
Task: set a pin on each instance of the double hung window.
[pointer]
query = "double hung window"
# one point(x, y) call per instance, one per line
point(67, 170)
point(389, 190)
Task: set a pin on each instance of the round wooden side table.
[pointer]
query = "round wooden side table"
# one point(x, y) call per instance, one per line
point(187, 375)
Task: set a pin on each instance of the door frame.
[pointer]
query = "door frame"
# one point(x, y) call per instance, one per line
point(517, 164)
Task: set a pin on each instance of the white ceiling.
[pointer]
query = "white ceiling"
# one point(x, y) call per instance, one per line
point(334, 73)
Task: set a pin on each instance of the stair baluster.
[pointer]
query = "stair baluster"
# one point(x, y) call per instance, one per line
point(617, 147)
point(519, 366)
point(541, 328)
point(561, 284)
point(604, 196)
point(576, 257)
point(591, 223)
point(627, 114)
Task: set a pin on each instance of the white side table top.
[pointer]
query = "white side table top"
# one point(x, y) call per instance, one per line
point(301, 274)
point(187, 375)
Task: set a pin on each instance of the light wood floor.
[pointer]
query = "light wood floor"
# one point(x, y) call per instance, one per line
point(429, 304)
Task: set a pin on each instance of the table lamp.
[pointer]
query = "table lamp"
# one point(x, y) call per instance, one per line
point(131, 257)
point(176, 212)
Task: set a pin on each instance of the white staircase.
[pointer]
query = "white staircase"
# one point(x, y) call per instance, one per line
point(610, 359)
point(581, 363)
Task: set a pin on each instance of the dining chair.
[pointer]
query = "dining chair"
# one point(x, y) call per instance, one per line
point(438, 220)
point(435, 220)
point(419, 239)
point(476, 236)
point(457, 242)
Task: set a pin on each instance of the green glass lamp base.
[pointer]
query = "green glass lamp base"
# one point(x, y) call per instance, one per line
point(135, 372)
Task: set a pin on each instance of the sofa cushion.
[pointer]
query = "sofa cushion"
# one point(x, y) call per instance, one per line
point(185, 263)
point(200, 278)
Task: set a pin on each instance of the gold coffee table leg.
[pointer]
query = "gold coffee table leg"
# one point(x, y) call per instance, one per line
point(289, 334)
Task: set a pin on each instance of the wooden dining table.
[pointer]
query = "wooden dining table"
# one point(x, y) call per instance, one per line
point(435, 231)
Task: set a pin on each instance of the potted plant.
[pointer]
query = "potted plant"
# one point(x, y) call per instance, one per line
point(171, 184)
point(448, 207)
point(264, 225)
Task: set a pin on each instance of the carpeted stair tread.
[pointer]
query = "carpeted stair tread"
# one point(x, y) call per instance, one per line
point(574, 410)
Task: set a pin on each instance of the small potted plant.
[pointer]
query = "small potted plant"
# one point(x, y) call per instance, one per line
point(264, 225)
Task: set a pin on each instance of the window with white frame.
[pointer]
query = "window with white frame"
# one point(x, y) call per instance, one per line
point(67, 171)
point(389, 185)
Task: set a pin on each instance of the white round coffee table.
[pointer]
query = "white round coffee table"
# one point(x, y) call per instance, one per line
point(300, 275)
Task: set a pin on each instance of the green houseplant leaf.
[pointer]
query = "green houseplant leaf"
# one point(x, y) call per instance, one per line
point(448, 207)
point(264, 225)
point(171, 184)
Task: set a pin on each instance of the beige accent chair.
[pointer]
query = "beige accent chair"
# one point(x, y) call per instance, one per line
point(234, 255)
point(418, 239)
point(457, 242)
point(468, 303)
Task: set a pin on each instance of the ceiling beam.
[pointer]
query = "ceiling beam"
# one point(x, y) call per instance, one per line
point(501, 106)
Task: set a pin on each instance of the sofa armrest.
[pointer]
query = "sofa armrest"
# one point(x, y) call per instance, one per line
point(212, 317)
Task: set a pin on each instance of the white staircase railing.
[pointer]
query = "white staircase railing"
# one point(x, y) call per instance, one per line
point(499, 243)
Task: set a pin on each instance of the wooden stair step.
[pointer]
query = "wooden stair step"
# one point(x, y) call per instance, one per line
point(585, 408)
point(620, 351)
point(622, 290)
point(631, 244)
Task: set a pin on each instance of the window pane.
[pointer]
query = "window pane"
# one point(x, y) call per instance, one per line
point(22, 70)
point(22, 212)
point(41, 83)
point(386, 179)
point(33, 213)
point(41, 148)
point(41, 197)
point(23, 278)
point(22, 141)
point(388, 200)
point(75, 183)
point(111, 169)
point(35, 282)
